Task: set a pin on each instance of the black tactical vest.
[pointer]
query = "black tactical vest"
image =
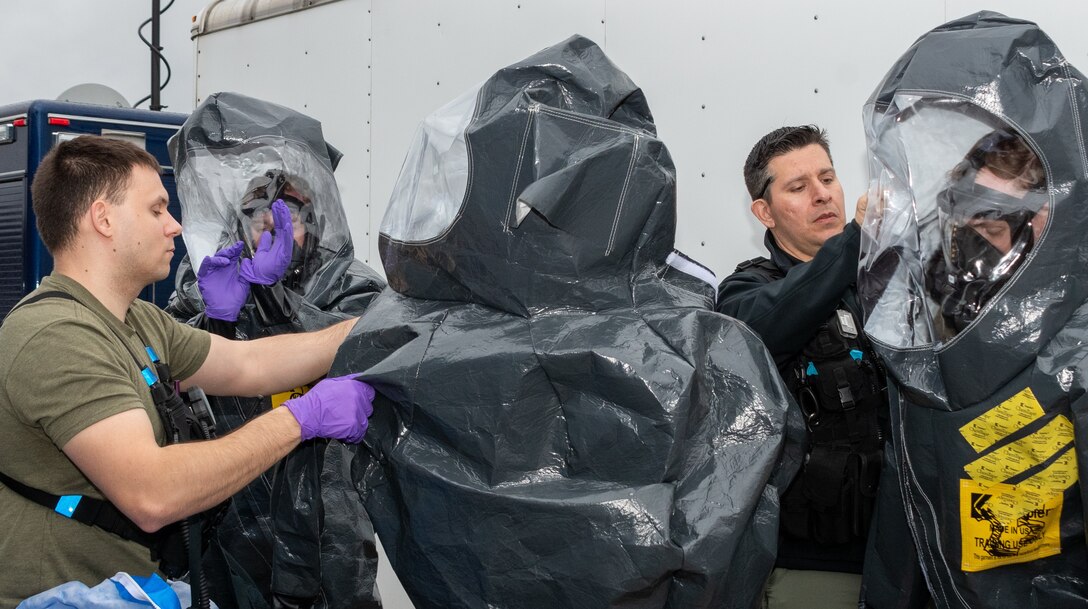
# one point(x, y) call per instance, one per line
point(839, 386)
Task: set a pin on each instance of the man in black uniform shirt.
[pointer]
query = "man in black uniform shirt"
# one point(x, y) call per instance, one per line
point(803, 304)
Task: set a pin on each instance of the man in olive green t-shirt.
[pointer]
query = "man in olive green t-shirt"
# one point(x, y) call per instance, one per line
point(76, 415)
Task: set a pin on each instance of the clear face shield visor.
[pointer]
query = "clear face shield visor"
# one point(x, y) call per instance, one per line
point(958, 202)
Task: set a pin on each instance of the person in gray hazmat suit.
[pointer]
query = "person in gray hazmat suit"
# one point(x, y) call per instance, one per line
point(974, 280)
point(235, 156)
point(565, 421)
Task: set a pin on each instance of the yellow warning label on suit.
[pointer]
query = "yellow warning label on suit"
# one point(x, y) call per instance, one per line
point(1002, 420)
point(1058, 476)
point(279, 398)
point(1025, 453)
point(1003, 524)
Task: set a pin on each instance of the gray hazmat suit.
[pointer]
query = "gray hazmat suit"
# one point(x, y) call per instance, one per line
point(563, 420)
point(974, 278)
point(298, 534)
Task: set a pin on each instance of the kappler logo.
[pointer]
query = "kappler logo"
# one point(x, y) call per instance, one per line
point(978, 500)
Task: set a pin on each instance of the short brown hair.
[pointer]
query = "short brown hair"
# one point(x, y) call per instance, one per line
point(1007, 156)
point(73, 175)
point(776, 143)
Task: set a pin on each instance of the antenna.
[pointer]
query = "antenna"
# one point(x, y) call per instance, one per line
point(156, 52)
point(157, 57)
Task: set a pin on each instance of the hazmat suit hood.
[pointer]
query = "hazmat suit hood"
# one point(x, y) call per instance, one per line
point(234, 150)
point(969, 78)
point(562, 419)
point(974, 284)
point(520, 223)
point(298, 535)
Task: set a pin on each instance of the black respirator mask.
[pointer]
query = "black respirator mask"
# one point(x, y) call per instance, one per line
point(970, 269)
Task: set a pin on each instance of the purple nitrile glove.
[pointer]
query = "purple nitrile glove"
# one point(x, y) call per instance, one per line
point(222, 288)
point(335, 408)
point(272, 258)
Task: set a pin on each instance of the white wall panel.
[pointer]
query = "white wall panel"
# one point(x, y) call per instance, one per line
point(315, 61)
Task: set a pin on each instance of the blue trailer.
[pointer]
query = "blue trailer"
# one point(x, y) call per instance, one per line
point(28, 130)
